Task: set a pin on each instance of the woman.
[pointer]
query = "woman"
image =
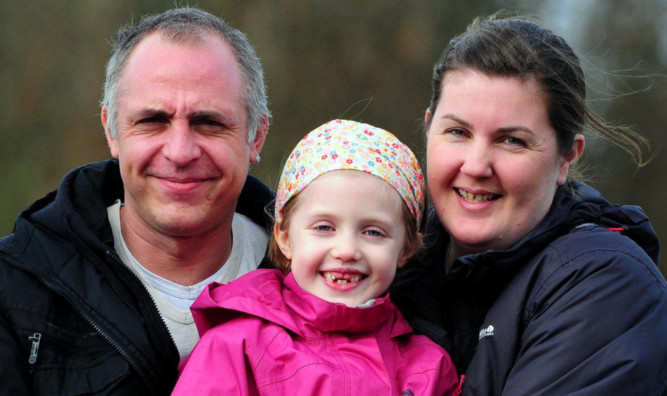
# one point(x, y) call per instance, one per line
point(534, 283)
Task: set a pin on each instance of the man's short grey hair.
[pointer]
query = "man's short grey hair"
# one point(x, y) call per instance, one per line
point(183, 25)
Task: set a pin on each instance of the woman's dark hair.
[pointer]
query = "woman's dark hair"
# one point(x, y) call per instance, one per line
point(521, 48)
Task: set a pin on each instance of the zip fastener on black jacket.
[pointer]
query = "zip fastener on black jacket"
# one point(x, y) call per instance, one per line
point(152, 314)
point(114, 256)
point(83, 315)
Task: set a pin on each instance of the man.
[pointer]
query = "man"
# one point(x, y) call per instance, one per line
point(98, 276)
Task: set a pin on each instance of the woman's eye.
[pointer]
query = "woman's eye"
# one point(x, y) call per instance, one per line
point(457, 131)
point(515, 141)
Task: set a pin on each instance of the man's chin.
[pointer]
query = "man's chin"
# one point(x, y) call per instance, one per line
point(184, 225)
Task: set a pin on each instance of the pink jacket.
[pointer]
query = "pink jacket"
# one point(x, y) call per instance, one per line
point(264, 335)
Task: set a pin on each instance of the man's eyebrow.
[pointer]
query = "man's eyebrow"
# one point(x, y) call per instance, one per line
point(150, 113)
point(212, 115)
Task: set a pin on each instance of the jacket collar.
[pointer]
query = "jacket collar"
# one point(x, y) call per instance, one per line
point(270, 295)
point(575, 204)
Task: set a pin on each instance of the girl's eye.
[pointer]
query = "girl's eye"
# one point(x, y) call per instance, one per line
point(374, 233)
point(323, 227)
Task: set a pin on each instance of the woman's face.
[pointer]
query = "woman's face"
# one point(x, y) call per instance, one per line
point(493, 160)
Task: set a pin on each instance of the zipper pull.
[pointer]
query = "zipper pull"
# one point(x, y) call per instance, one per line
point(35, 338)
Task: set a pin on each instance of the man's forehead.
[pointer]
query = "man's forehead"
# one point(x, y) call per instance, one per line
point(159, 39)
point(156, 58)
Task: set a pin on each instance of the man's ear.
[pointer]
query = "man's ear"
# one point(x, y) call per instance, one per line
point(570, 159)
point(260, 137)
point(113, 143)
point(282, 239)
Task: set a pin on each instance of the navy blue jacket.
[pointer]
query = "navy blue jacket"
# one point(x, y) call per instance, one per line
point(73, 318)
point(576, 307)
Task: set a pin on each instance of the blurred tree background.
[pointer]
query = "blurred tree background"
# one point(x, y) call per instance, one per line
point(365, 60)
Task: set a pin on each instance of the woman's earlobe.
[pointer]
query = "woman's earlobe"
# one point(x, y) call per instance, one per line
point(569, 160)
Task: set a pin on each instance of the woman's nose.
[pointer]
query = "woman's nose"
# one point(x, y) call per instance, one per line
point(477, 161)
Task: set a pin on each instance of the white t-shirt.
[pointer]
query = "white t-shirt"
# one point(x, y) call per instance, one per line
point(173, 300)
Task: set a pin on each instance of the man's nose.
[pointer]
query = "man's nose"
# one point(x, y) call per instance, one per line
point(181, 146)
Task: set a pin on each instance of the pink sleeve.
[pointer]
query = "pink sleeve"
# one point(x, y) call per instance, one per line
point(217, 365)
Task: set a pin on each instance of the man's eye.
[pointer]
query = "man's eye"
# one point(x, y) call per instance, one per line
point(153, 120)
point(148, 120)
point(209, 122)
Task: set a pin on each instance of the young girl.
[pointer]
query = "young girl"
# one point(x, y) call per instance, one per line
point(348, 209)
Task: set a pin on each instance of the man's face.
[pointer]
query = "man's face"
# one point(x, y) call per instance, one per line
point(182, 136)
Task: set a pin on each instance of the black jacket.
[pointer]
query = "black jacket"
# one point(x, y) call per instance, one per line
point(73, 318)
point(576, 307)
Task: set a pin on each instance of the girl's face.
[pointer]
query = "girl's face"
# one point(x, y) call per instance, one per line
point(345, 237)
point(493, 160)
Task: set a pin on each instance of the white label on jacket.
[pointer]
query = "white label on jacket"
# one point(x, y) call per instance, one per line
point(486, 332)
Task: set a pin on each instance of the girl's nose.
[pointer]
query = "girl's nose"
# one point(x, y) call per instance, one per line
point(346, 249)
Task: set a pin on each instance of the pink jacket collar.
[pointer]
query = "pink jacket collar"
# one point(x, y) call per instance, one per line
point(270, 295)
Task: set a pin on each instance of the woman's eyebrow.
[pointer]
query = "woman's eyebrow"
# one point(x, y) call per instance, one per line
point(456, 119)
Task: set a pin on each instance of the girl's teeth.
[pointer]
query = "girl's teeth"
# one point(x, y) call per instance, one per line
point(331, 277)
